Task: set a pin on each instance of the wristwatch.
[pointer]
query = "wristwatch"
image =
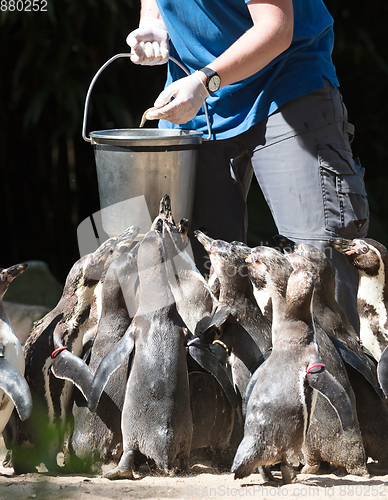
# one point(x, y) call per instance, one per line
point(213, 80)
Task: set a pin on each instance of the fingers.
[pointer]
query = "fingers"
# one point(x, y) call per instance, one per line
point(132, 40)
point(189, 94)
point(166, 95)
point(174, 112)
point(149, 54)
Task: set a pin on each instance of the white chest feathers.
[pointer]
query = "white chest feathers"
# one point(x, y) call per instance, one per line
point(371, 296)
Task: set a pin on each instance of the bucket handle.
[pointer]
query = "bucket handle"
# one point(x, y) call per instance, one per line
point(127, 54)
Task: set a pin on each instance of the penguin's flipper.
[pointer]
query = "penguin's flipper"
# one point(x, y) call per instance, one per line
point(322, 381)
point(352, 359)
point(373, 360)
point(211, 364)
point(15, 386)
point(87, 351)
point(382, 371)
point(218, 317)
point(68, 366)
point(108, 365)
point(253, 380)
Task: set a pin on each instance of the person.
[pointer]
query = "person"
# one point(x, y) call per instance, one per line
point(265, 70)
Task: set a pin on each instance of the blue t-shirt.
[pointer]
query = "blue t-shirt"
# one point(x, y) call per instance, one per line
point(201, 30)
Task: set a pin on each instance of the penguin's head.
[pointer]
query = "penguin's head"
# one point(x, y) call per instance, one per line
point(96, 264)
point(227, 259)
point(216, 249)
point(318, 258)
point(9, 274)
point(366, 255)
point(128, 235)
point(270, 264)
point(300, 261)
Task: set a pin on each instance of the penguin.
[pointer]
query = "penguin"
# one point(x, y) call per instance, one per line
point(328, 312)
point(94, 440)
point(156, 416)
point(39, 438)
point(248, 332)
point(325, 440)
point(245, 336)
point(14, 391)
point(331, 316)
point(370, 258)
point(282, 401)
point(371, 405)
point(96, 436)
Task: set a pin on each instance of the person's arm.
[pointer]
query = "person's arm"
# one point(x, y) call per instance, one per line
point(149, 8)
point(270, 35)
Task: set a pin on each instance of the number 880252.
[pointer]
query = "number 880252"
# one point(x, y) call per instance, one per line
point(23, 5)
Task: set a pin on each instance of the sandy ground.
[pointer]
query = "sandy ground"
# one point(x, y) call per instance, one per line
point(200, 483)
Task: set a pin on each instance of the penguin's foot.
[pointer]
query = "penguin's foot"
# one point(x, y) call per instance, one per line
point(267, 476)
point(359, 470)
point(118, 473)
point(288, 474)
point(172, 472)
point(183, 466)
point(124, 470)
point(7, 462)
point(310, 469)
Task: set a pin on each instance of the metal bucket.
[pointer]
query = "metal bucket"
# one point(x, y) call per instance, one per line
point(136, 167)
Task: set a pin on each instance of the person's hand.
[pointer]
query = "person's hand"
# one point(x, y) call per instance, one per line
point(149, 42)
point(189, 94)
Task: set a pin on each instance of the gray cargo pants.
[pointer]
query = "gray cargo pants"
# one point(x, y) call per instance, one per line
point(302, 159)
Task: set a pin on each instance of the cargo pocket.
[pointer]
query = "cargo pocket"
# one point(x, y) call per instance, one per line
point(344, 197)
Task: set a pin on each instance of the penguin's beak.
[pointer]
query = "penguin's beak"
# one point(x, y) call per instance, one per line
point(14, 271)
point(106, 248)
point(205, 240)
point(342, 245)
point(285, 243)
point(183, 227)
point(165, 206)
point(128, 234)
point(254, 256)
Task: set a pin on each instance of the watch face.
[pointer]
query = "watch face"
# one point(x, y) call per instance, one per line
point(214, 83)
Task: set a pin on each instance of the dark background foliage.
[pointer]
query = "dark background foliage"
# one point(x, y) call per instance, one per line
point(47, 172)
